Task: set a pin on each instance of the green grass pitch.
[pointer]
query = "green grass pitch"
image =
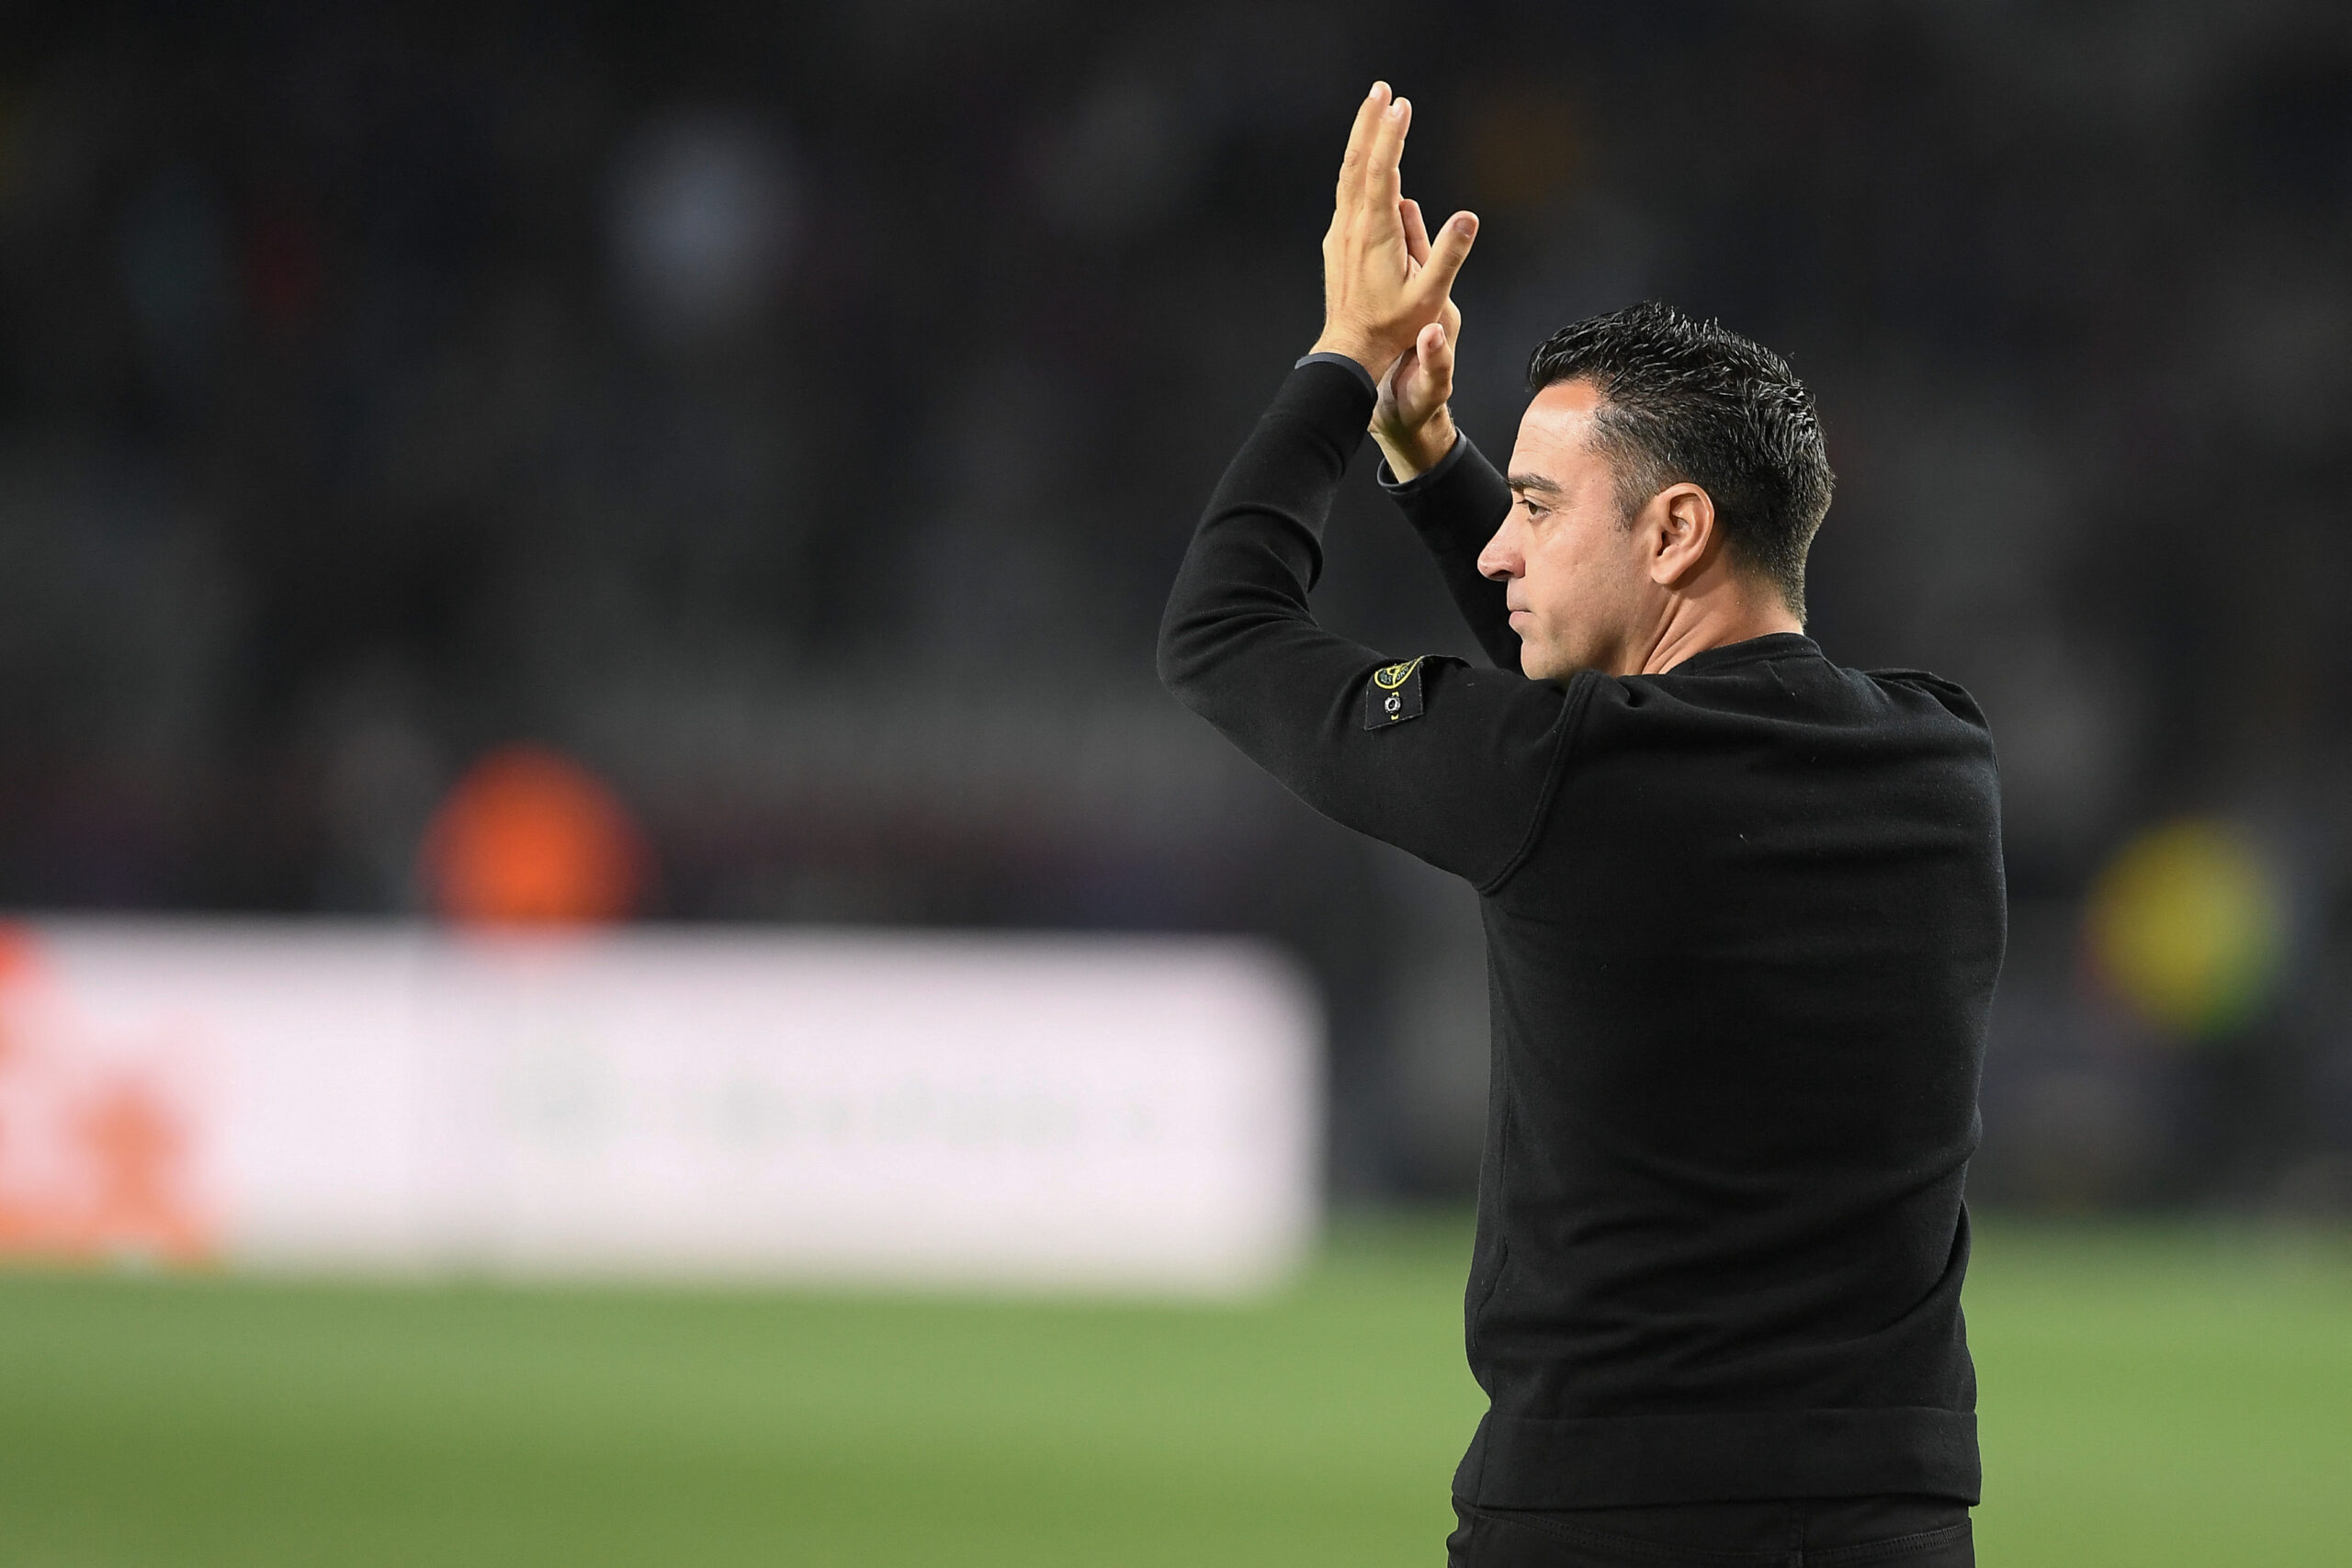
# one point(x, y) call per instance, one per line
point(2151, 1395)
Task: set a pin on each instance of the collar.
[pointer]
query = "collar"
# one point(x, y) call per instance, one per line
point(1772, 645)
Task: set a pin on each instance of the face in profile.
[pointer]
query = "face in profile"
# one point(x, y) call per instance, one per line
point(1576, 576)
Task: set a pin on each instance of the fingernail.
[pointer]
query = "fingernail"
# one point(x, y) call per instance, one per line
point(1397, 109)
point(1377, 88)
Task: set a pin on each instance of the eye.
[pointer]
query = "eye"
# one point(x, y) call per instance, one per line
point(1534, 510)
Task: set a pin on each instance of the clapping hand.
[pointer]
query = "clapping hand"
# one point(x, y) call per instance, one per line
point(1387, 287)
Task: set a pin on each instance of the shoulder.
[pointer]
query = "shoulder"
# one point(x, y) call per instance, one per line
point(1795, 695)
point(1950, 696)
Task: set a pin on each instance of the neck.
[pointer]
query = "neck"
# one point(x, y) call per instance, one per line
point(1714, 616)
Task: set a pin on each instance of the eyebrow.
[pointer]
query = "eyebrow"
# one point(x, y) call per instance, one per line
point(1536, 483)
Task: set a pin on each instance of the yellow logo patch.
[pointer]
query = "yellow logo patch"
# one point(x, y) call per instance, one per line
point(1392, 695)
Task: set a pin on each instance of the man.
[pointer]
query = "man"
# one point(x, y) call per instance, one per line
point(1744, 909)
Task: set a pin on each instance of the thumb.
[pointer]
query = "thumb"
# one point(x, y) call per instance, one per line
point(1434, 349)
point(1448, 250)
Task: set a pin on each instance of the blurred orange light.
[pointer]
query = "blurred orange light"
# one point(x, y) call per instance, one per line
point(529, 837)
point(19, 959)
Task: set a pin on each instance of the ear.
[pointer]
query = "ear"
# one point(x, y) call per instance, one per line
point(1682, 533)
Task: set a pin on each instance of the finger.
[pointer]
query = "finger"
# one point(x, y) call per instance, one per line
point(1449, 251)
point(1382, 159)
point(1417, 234)
point(1352, 161)
point(1436, 351)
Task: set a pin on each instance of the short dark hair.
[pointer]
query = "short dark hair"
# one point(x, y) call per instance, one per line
point(1690, 400)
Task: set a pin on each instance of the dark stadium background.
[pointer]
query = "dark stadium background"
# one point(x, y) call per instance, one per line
point(794, 414)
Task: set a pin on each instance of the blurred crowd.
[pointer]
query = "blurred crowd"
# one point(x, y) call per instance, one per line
point(790, 416)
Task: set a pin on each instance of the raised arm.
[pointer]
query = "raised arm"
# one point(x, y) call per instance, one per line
point(1456, 507)
point(1445, 761)
point(1448, 490)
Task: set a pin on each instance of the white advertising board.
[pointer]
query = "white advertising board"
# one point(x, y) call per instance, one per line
point(1135, 1115)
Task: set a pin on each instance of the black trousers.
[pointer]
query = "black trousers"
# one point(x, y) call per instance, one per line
point(1823, 1532)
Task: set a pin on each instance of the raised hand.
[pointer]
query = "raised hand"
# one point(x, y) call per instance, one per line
point(1385, 279)
point(1411, 422)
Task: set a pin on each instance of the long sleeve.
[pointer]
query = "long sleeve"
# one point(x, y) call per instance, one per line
point(1456, 507)
point(1461, 781)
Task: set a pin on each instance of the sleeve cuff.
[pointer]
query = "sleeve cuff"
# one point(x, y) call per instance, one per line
point(1354, 368)
point(1427, 477)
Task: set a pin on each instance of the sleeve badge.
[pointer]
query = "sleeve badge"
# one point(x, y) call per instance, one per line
point(1393, 695)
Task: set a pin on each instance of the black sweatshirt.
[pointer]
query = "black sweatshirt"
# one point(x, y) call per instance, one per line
point(1743, 920)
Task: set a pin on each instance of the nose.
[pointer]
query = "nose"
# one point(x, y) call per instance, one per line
point(1501, 558)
